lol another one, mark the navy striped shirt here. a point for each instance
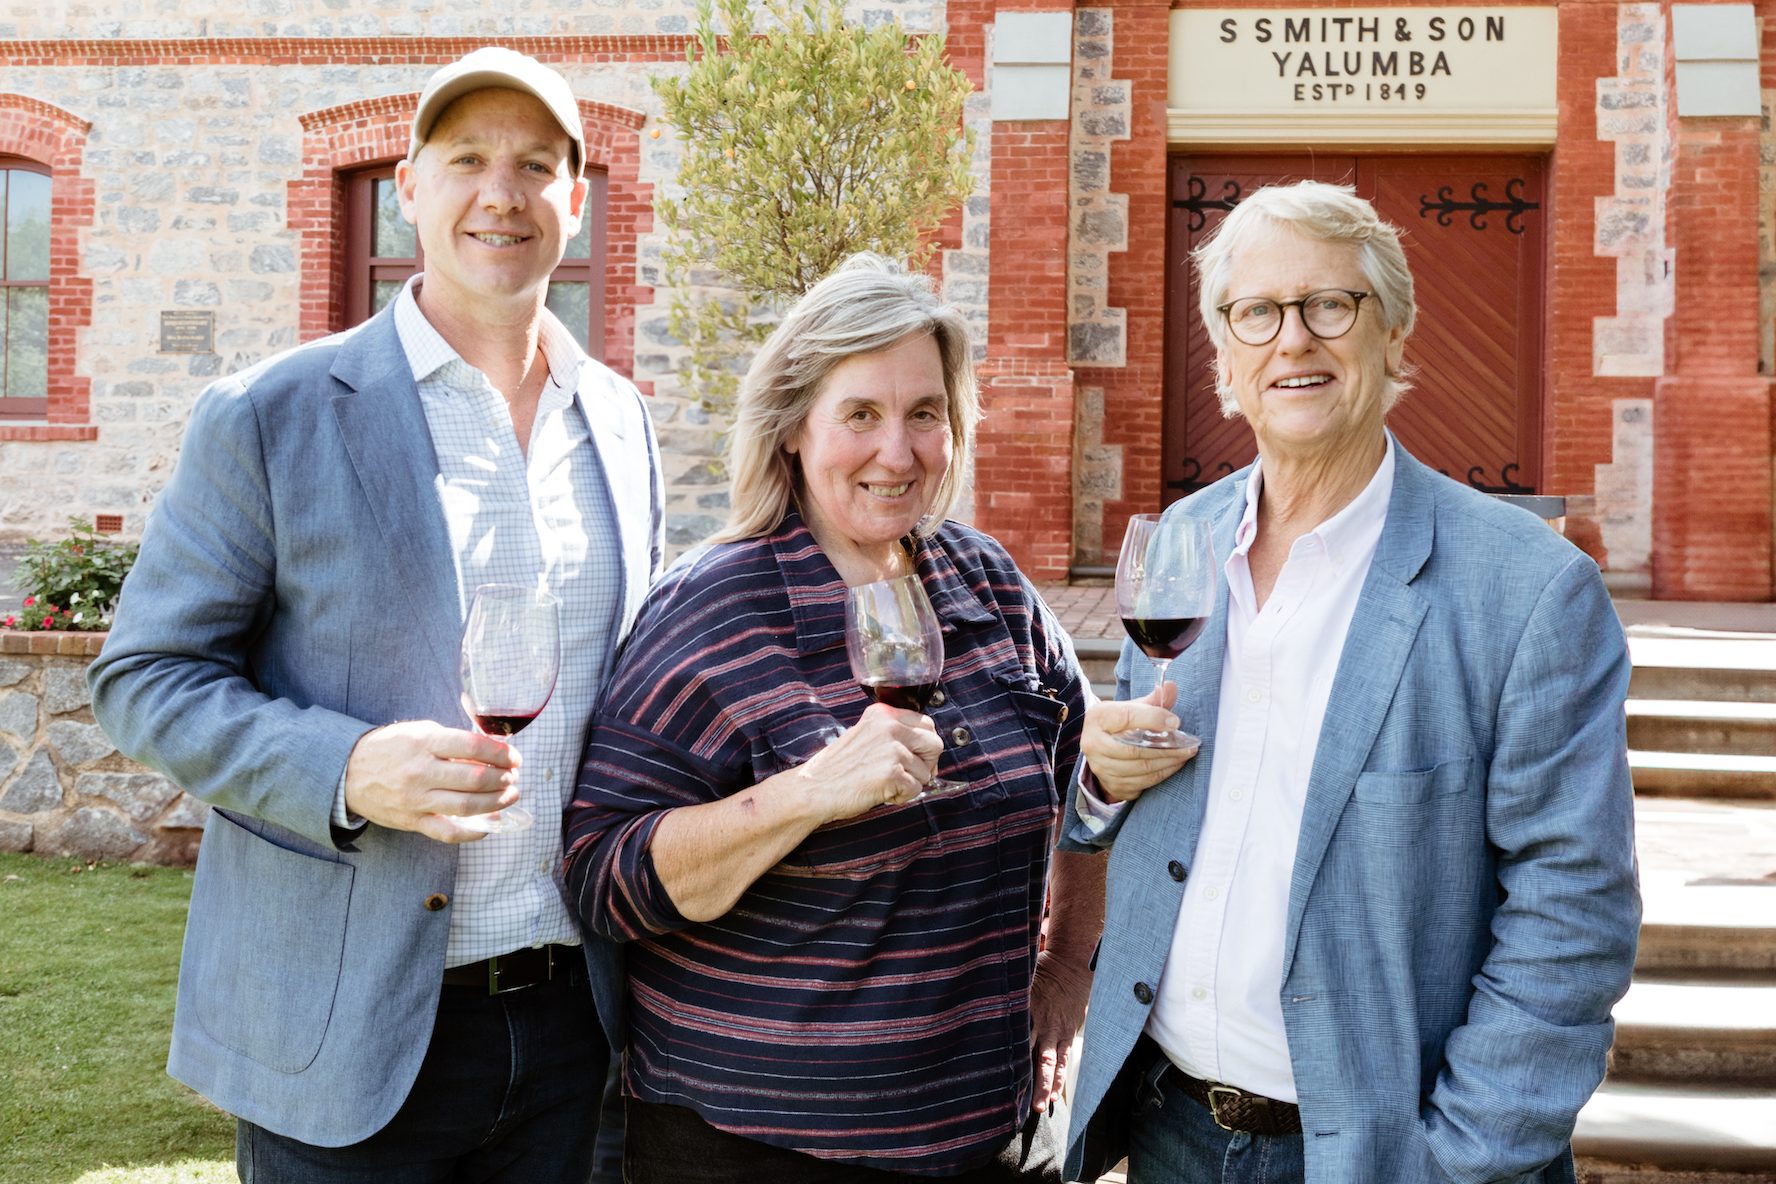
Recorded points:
(867, 1000)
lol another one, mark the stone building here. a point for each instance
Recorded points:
(1586, 189)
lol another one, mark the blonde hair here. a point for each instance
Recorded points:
(867, 305)
(1325, 213)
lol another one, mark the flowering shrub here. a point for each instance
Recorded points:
(71, 584)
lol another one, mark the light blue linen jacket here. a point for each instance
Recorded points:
(1463, 910)
(297, 587)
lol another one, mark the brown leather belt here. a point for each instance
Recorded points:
(1233, 1109)
(514, 971)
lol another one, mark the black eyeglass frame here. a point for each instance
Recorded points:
(1300, 307)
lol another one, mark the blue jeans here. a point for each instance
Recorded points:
(513, 1088)
(1179, 1143)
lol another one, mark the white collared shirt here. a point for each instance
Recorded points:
(1218, 1013)
(517, 517)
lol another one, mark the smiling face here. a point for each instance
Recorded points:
(1301, 394)
(873, 449)
(493, 196)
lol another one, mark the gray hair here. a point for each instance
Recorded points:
(1326, 213)
(867, 305)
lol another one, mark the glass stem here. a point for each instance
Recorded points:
(1159, 668)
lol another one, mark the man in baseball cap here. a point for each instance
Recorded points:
(380, 979)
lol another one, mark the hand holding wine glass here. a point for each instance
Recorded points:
(511, 652)
(895, 643)
(1165, 592)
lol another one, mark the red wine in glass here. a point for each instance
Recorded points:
(912, 697)
(504, 723)
(511, 652)
(1165, 591)
(895, 644)
(1163, 637)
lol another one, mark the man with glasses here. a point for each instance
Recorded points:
(1372, 933)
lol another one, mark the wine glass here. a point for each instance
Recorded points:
(896, 647)
(1165, 591)
(511, 650)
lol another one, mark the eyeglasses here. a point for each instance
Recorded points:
(1256, 320)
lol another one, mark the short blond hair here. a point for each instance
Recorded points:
(869, 304)
(1325, 213)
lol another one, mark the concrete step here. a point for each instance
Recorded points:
(1702, 726)
(1708, 887)
(1704, 775)
(1684, 1128)
(1696, 1031)
(1599, 1171)
(1731, 668)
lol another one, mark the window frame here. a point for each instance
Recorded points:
(24, 409)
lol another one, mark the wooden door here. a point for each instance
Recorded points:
(1473, 234)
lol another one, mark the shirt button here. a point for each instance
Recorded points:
(937, 699)
(548, 774)
(961, 736)
(1175, 870)
(1064, 713)
(1238, 795)
(436, 901)
(1143, 993)
(1254, 695)
(1199, 993)
(1213, 893)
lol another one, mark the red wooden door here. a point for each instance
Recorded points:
(1473, 234)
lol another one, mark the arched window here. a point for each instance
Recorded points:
(24, 289)
(382, 251)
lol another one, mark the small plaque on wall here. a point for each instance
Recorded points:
(187, 331)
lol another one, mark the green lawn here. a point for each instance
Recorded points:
(88, 961)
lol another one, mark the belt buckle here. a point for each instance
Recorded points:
(1214, 1108)
(494, 972)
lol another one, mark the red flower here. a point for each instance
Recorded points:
(29, 601)
(52, 608)
(49, 622)
(9, 621)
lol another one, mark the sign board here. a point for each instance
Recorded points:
(1365, 73)
(187, 331)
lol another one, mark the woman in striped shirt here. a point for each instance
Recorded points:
(831, 978)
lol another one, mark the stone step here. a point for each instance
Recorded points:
(1599, 1171)
(1702, 726)
(1696, 1030)
(1678, 1128)
(1736, 668)
(1704, 775)
(1708, 887)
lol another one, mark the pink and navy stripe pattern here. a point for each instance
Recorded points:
(867, 1000)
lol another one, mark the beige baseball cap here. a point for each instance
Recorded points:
(496, 66)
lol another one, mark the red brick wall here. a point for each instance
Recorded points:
(373, 130)
(50, 136)
(1711, 413)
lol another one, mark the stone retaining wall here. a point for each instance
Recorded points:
(64, 789)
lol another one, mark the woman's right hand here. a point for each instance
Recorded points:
(885, 758)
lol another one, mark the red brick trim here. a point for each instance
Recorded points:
(40, 434)
(38, 131)
(84, 645)
(289, 51)
(369, 131)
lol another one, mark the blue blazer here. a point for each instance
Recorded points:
(1463, 908)
(296, 587)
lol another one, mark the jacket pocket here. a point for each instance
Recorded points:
(265, 944)
(1418, 786)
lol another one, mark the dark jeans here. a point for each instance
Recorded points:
(672, 1145)
(511, 1089)
(1178, 1141)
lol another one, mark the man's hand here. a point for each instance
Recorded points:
(1122, 771)
(1058, 995)
(422, 776)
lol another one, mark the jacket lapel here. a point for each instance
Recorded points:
(384, 428)
(1376, 650)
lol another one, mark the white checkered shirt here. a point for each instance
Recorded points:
(513, 519)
